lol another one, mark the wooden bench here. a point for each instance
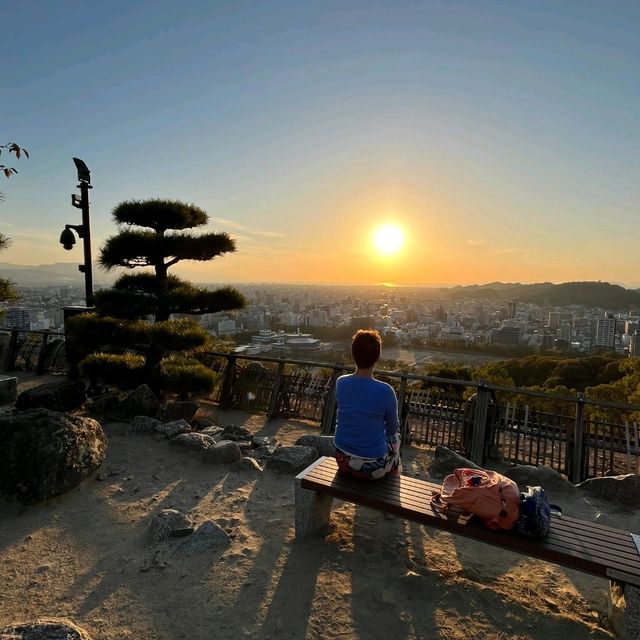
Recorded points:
(585, 546)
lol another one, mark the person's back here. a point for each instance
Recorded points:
(367, 440)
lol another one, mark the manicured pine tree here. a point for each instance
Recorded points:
(135, 313)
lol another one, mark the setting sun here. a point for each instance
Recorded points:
(388, 239)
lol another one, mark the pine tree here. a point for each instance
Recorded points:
(163, 238)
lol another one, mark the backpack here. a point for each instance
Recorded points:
(535, 513)
(489, 495)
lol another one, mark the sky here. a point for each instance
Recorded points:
(501, 137)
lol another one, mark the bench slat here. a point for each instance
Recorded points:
(592, 548)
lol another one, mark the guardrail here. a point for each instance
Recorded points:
(580, 437)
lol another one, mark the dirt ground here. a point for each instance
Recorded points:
(85, 557)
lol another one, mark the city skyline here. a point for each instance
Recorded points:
(500, 140)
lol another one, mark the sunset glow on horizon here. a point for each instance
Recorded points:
(499, 139)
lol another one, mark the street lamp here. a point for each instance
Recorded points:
(67, 239)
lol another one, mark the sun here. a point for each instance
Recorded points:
(388, 239)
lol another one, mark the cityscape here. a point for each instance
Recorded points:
(294, 320)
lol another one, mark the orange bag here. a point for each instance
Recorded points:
(489, 495)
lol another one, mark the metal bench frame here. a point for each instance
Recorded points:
(589, 547)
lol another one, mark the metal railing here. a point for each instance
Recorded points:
(577, 436)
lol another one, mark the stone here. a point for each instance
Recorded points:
(325, 445)
(55, 396)
(234, 433)
(196, 441)
(44, 453)
(247, 464)
(312, 512)
(140, 402)
(264, 452)
(211, 431)
(225, 452)
(209, 540)
(169, 523)
(144, 425)
(172, 429)
(200, 424)
(104, 404)
(620, 490)
(264, 441)
(549, 479)
(8, 390)
(291, 459)
(185, 409)
(52, 629)
(445, 461)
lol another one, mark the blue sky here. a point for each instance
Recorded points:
(502, 137)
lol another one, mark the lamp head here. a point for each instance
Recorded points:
(84, 175)
(67, 239)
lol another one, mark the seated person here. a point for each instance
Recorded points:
(367, 439)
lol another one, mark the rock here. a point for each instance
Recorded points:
(168, 523)
(196, 441)
(140, 402)
(55, 396)
(623, 609)
(264, 441)
(549, 479)
(325, 445)
(171, 429)
(55, 629)
(200, 424)
(445, 461)
(245, 447)
(211, 431)
(8, 390)
(224, 452)
(209, 540)
(236, 433)
(184, 409)
(621, 490)
(247, 464)
(264, 452)
(144, 425)
(44, 454)
(104, 404)
(291, 459)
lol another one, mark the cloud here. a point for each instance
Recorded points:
(262, 233)
(475, 243)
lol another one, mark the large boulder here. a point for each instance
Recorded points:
(291, 459)
(8, 389)
(526, 475)
(44, 454)
(325, 445)
(236, 434)
(56, 396)
(175, 428)
(621, 490)
(445, 461)
(225, 452)
(196, 441)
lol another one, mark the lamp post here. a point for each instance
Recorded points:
(67, 239)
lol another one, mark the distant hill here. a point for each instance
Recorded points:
(59, 273)
(587, 294)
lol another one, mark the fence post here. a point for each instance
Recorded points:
(12, 351)
(43, 353)
(479, 424)
(576, 468)
(403, 409)
(226, 394)
(329, 409)
(274, 404)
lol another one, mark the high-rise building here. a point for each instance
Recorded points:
(513, 307)
(634, 345)
(556, 318)
(606, 331)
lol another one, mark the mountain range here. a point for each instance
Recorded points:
(588, 294)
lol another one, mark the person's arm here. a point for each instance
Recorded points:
(391, 414)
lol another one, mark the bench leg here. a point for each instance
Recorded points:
(624, 610)
(312, 512)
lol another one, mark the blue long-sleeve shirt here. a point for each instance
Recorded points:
(367, 415)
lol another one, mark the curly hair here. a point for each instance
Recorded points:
(366, 347)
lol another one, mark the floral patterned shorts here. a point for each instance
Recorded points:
(373, 468)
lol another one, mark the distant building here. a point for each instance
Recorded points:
(512, 309)
(556, 318)
(226, 327)
(606, 331)
(17, 318)
(505, 335)
(634, 345)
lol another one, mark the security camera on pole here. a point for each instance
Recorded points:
(67, 239)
